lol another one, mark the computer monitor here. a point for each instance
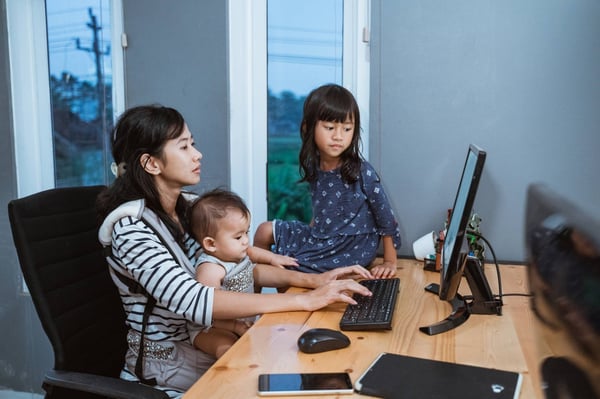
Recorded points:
(562, 243)
(457, 260)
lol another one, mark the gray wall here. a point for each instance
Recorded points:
(177, 56)
(24, 349)
(519, 78)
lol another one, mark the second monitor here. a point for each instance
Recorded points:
(456, 259)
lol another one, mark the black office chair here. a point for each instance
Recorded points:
(56, 237)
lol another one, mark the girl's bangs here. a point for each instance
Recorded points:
(337, 111)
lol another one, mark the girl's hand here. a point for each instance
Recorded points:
(332, 292)
(352, 272)
(283, 260)
(387, 269)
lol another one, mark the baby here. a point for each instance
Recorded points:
(219, 222)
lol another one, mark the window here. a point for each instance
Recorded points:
(80, 89)
(304, 51)
(65, 68)
(250, 78)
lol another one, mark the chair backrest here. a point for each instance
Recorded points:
(56, 237)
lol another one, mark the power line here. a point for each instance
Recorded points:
(95, 50)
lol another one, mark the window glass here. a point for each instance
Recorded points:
(304, 51)
(79, 52)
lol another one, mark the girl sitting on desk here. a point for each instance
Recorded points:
(351, 212)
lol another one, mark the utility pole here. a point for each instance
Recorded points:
(95, 49)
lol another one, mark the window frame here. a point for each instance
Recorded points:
(30, 89)
(248, 92)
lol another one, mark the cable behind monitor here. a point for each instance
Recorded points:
(481, 300)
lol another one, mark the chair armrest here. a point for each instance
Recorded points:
(98, 384)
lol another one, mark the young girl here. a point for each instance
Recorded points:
(351, 212)
(151, 255)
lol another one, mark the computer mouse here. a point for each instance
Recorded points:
(318, 340)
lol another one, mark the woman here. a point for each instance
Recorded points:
(144, 217)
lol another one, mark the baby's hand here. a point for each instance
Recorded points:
(241, 326)
(283, 260)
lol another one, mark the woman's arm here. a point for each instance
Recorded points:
(143, 257)
(228, 304)
(139, 254)
(267, 276)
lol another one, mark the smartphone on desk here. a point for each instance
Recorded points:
(304, 384)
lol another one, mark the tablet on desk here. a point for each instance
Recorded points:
(392, 375)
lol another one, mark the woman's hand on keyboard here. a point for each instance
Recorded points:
(332, 292)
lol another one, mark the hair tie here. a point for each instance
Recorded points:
(118, 170)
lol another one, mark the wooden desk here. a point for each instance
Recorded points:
(504, 342)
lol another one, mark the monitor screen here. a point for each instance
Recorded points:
(455, 247)
(456, 260)
(562, 245)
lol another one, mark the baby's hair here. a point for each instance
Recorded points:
(212, 206)
(329, 103)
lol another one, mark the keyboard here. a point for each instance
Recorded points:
(374, 312)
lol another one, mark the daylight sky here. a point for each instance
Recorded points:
(304, 41)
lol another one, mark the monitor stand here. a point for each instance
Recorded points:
(482, 300)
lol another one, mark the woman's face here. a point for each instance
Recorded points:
(180, 163)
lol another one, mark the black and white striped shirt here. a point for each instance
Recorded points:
(138, 253)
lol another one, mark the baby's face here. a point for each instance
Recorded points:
(231, 241)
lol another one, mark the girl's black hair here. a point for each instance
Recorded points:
(143, 130)
(330, 103)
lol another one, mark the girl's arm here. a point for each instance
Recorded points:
(379, 204)
(387, 269)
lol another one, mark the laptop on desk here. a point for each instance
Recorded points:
(397, 376)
